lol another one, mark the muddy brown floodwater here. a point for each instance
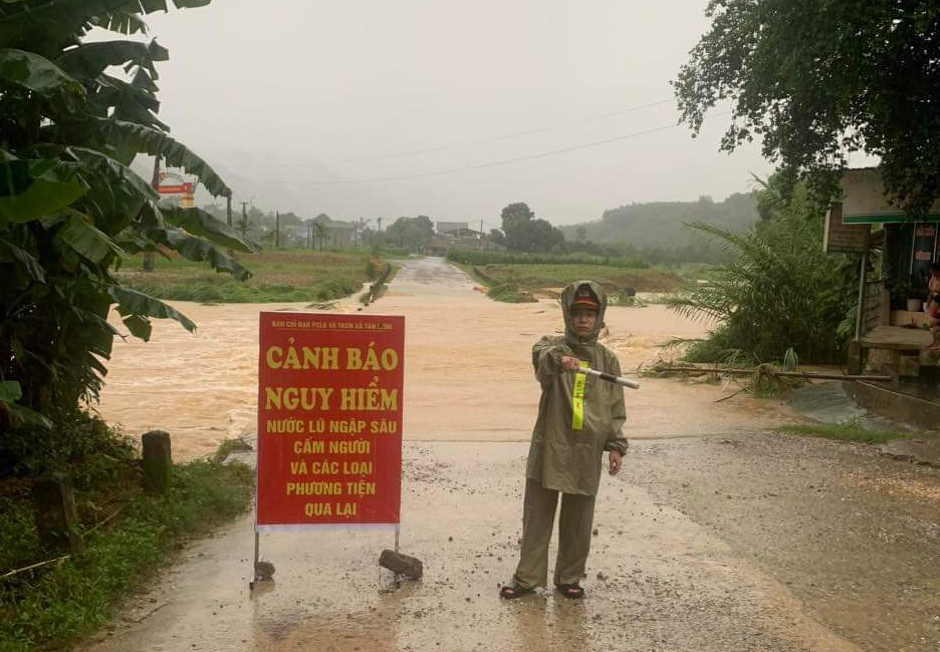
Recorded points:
(468, 370)
(717, 536)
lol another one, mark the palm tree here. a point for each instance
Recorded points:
(320, 232)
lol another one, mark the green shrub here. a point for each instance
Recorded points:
(50, 606)
(495, 257)
(509, 292)
(779, 291)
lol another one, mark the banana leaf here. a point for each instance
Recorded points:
(123, 134)
(89, 60)
(84, 238)
(198, 222)
(132, 302)
(199, 250)
(30, 189)
(9, 252)
(38, 74)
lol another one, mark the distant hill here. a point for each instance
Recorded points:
(660, 224)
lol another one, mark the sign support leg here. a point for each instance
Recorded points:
(397, 535)
(254, 565)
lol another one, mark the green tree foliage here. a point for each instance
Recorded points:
(71, 207)
(411, 233)
(778, 291)
(656, 229)
(817, 80)
(525, 233)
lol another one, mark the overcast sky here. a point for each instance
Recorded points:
(296, 101)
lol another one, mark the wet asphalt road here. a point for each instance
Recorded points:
(757, 542)
(852, 534)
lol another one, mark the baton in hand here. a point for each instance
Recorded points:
(610, 378)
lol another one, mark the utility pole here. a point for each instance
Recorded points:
(277, 229)
(481, 229)
(379, 220)
(155, 182)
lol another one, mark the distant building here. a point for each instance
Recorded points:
(460, 239)
(338, 234)
(449, 228)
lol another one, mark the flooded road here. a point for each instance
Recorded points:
(460, 346)
(717, 536)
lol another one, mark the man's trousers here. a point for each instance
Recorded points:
(574, 536)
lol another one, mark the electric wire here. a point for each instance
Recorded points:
(491, 139)
(480, 166)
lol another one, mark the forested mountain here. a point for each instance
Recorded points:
(659, 225)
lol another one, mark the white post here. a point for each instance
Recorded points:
(862, 274)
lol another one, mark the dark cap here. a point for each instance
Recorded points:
(584, 297)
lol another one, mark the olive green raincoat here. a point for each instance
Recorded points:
(571, 432)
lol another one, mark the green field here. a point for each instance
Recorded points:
(282, 275)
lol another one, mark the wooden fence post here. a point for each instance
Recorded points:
(158, 463)
(55, 513)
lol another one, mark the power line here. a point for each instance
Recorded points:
(481, 141)
(480, 166)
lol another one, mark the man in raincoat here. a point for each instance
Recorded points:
(579, 418)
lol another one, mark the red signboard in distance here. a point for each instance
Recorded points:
(329, 420)
(180, 189)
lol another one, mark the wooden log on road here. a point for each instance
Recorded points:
(410, 567)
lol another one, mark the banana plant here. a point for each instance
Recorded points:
(73, 116)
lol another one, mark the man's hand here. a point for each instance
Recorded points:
(616, 461)
(569, 363)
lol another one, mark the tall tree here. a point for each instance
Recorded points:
(524, 233)
(516, 214)
(413, 233)
(818, 80)
(71, 208)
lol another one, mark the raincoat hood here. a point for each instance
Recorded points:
(567, 307)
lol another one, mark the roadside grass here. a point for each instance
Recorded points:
(614, 279)
(505, 291)
(499, 257)
(52, 606)
(278, 275)
(849, 431)
(515, 283)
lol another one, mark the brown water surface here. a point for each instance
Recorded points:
(468, 372)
